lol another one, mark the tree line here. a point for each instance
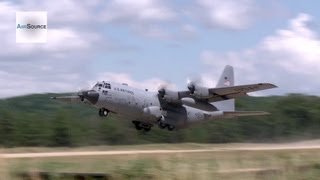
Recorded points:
(36, 120)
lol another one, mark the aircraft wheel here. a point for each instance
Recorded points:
(170, 127)
(100, 113)
(162, 125)
(103, 112)
(147, 129)
(137, 125)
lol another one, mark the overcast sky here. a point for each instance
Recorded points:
(146, 43)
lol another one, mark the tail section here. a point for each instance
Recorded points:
(228, 106)
(226, 79)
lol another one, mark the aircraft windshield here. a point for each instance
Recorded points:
(103, 85)
(108, 86)
(98, 85)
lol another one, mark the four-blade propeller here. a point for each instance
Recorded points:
(91, 96)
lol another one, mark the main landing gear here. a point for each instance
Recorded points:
(147, 127)
(163, 125)
(141, 126)
(104, 112)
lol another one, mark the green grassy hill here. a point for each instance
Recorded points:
(36, 120)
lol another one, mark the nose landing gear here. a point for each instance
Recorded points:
(103, 112)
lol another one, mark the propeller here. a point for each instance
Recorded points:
(192, 82)
(162, 88)
(90, 95)
(86, 96)
(191, 87)
(81, 95)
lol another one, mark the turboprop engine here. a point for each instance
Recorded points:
(198, 91)
(169, 96)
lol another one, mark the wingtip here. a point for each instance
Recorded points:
(269, 84)
(273, 85)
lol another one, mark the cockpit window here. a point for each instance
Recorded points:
(108, 86)
(98, 85)
(104, 85)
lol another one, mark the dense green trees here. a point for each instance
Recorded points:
(36, 120)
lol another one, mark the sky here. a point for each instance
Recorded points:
(152, 43)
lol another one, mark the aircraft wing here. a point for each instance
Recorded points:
(230, 92)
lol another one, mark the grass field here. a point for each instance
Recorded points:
(228, 162)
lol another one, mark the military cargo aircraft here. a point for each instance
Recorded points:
(166, 108)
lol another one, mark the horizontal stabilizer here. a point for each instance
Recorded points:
(244, 113)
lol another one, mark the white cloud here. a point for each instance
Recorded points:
(62, 63)
(145, 18)
(59, 39)
(141, 11)
(77, 37)
(188, 31)
(290, 58)
(298, 44)
(13, 84)
(58, 65)
(63, 11)
(67, 39)
(227, 14)
(152, 31)
(7, 15)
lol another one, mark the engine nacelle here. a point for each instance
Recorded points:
(171, 96)
(193, 102)
(154, 111)
(201, 92)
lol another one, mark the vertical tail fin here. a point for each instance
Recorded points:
(226, 79)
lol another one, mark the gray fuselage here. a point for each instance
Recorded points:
(134, 104)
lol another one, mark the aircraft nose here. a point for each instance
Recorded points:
(92, 96)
